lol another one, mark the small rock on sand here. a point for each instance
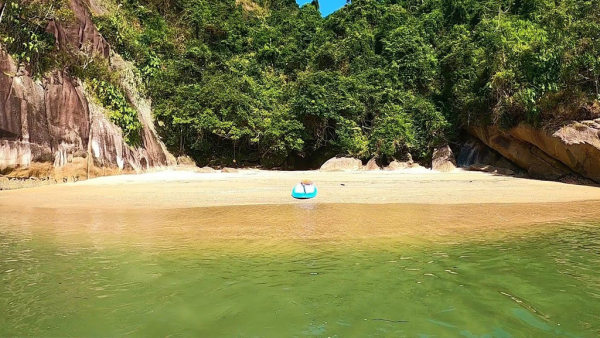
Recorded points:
(205, 170)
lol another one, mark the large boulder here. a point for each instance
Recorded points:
(443, 159)
(341, 164)
(535, 161)
(372, 165)
(401, 165)
(576, 145)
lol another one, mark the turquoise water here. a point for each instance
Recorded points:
(61, 280)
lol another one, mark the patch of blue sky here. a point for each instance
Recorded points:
(327, 6)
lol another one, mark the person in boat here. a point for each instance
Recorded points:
(305, 190)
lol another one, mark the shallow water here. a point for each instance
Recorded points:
(297, 271)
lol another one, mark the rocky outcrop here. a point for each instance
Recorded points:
(53, 121)
(533, 160)
(23, 117)
(443, 159)
(79, 33)
(342, 163)
(52, 125)
(553, 153)
(576, 145)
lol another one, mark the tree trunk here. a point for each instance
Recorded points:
(2, 12)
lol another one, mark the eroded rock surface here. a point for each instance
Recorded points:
(554, 154)
(533, 160)
(576, 145)
(53, 121)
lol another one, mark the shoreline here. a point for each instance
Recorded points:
(256, 206)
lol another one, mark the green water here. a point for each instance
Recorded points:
(58, 284)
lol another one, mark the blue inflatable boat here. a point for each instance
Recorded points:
(304, 191)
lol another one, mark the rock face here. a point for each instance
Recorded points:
(342, 163)
(553, 154)
(443, 159)
(79, 33)
(156, 151)
(53, 121)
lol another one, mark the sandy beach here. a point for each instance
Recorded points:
(167, 206)
(188, 189)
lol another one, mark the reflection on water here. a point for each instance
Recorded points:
(298, 271)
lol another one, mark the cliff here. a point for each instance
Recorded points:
(53, 128)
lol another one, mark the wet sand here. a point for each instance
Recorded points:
(256, 205)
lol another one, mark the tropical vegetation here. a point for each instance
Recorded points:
(268, 82)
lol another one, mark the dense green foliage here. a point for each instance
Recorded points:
(120, 111)
(266, 82)
(22, 31)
